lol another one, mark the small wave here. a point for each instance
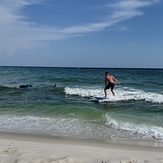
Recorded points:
(83, 92)
(6, 88)
(142, 129)
(58, 126)
(122, 94)
(75, 127)
(35, 124)
(3, 88)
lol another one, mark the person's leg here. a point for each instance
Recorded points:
(112, 87)
(105, 93)
(113, 92)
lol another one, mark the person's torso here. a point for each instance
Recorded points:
(109, 78)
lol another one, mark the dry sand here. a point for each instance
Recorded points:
(16, 148)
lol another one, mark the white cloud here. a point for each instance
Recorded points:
(17, 33)
(123, 10)
(127, 9)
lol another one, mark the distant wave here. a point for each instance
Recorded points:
(122, 94)
(5, 88)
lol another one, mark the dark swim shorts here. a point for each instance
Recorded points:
(110, 85)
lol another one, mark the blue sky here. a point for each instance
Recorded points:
(81, 33)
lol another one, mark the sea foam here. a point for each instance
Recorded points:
(132, 128)
(122, 94)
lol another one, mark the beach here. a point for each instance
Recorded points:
(19, 148)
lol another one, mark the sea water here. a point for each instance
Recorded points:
(134, 113)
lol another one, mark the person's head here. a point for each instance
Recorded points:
(106, 73)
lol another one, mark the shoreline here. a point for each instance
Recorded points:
(151, 143)
(23, 148)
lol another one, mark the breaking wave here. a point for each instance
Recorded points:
(122, 94)
(145, 130)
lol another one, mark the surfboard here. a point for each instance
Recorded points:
(98, 99)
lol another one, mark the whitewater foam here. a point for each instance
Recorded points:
(106, 126)
(142, 129)
(122, 94)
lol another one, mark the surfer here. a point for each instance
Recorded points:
(109, 83)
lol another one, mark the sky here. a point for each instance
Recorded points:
(81, 33)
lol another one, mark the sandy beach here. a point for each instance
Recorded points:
(17, 148)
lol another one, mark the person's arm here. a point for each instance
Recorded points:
(116, 80)
(105, 81)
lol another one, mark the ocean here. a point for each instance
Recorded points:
(134, 113)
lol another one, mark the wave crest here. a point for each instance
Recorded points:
(141, 129)
(122, 94)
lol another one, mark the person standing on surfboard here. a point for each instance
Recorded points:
(109, 83)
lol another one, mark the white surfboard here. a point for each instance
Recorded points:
(98, 99)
